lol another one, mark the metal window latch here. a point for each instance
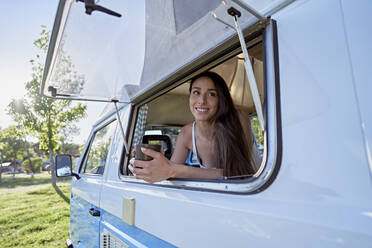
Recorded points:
(91, 6)
(115, 101)
(247, 62)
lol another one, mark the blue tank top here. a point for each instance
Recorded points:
(192, 158)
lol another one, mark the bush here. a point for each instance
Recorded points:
(35, 167)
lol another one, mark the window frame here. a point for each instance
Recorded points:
(272, 113)
(92, 137)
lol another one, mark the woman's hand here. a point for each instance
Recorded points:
(158, 169)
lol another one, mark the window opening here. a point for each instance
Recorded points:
(168, 113)
(97, 156)
(255, 125)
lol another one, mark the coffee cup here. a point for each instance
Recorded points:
(141, 156)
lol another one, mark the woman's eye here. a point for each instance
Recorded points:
(195, 92)
(212, 94)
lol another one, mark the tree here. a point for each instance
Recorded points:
(257, 130)
(66, 135)
(32, 166)
(13, 145)
(44, 117)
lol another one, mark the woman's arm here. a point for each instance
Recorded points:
(181, 149)
(160, 168)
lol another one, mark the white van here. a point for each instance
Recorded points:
(304, 79)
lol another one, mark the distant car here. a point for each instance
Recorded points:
(15, 172)
(45, 166)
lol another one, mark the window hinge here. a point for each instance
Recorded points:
(247, 62)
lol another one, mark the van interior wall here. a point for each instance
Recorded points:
(169, 110)
(172, 108)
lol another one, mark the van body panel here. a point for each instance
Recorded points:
(321, 196)
(322, 141)
(112, 201)
(131, 235)
(359, 39)
(85, 195)
(186, 218)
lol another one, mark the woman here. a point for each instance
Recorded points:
(214, 138)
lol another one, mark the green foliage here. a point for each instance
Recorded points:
(98, 152)
(81, 148)
(40, 116)
(33, 166)
(257, 130)
(12, 144)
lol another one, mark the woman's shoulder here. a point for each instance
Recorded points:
(186, 130)
(185, 135)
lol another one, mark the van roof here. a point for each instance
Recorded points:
(100, 57)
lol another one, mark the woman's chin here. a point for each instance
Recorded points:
(202, 117)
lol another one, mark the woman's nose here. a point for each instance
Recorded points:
(203, 98)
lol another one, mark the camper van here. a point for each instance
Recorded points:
(299, 70)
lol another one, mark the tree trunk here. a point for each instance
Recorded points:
(28, 154)
(52, 167)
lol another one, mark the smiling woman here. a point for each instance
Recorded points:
(227, 145)
(212, 144)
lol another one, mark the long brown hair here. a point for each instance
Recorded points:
(231, 149)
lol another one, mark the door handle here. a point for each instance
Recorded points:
(94, 212)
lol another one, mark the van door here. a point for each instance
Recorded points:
(85, 192)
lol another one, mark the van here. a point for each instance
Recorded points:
(299, 69)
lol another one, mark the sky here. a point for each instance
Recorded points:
(20, 26)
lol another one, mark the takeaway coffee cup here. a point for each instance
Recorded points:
(141, 156)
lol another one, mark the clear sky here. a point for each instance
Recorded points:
(20, 26)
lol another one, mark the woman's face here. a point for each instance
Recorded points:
(203, 99)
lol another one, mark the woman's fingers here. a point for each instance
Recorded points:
(138, 167)
(131, 168)
(138, 163)
(151, 152)
(152, 171)
(140, 173)
(147, 179)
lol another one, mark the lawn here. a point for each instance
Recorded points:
(21, 180)
(35, 218)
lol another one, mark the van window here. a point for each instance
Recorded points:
(97, 156)
(161, 119)
(166, 111)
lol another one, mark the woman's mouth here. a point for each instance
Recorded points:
(201, 110)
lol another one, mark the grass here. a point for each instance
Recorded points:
(21, 180)
(35, 218)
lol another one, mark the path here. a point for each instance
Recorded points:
(27, 188)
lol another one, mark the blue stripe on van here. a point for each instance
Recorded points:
(132, 235)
